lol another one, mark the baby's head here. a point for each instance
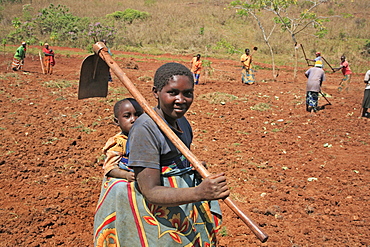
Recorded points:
(166, 72)
(126, 112)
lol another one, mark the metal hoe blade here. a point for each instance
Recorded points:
(94, 78)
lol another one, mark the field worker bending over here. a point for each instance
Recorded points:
(247, 72)
(196, 67)
(167, 205)
(49, 60)
(19, 56)
(316, 76)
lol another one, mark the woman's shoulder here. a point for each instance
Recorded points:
(144, 119)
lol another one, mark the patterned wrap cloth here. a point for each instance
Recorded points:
(124, 218)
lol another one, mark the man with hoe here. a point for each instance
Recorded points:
(317, 58)
(346, 71)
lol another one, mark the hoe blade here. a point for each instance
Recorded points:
(94, 78)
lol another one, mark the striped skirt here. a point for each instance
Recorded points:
(17, 64)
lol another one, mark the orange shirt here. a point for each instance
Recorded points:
(196, 66)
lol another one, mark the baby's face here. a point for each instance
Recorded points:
(127, 116)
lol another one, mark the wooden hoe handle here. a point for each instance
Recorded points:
(102, 51)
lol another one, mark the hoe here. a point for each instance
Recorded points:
(94, 83)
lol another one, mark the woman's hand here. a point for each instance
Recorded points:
(213, 187)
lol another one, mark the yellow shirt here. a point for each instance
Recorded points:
(114, 149)
(246, 60)
(196, 66)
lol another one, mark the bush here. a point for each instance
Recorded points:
(129, 15)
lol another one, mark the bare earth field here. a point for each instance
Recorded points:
(303, 178)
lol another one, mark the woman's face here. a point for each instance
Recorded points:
(175, 98)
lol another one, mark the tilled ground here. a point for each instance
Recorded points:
(303, 178)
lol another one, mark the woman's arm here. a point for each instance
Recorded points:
(212, 188)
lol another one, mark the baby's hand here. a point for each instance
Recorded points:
(130, 176)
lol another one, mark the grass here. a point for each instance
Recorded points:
(50, 141)
(58, 84)
(276, 130)
(261, 107)
(217, 97)
(223, 231)
(84, 129)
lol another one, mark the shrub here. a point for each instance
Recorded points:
(129, 15)
(98, 31)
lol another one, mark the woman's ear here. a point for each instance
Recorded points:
(115, 120)
(155, 92)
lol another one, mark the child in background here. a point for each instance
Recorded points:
(126, 112)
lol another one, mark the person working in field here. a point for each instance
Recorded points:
(366, 100)
(247, 71)
(19, 56)
(116, 174)
(196, 67)
(317, 58)
(180, 207)
(167, 205)
(315, 77)
(49, 60)
(346, 71)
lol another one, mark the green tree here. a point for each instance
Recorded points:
(58, 23)
(294, 17)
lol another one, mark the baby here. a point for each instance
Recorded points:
(126, 112)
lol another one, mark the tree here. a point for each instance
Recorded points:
(246, 9)
(293, 16)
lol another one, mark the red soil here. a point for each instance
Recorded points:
(303, 178)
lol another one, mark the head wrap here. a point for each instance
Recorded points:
(318, 64)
